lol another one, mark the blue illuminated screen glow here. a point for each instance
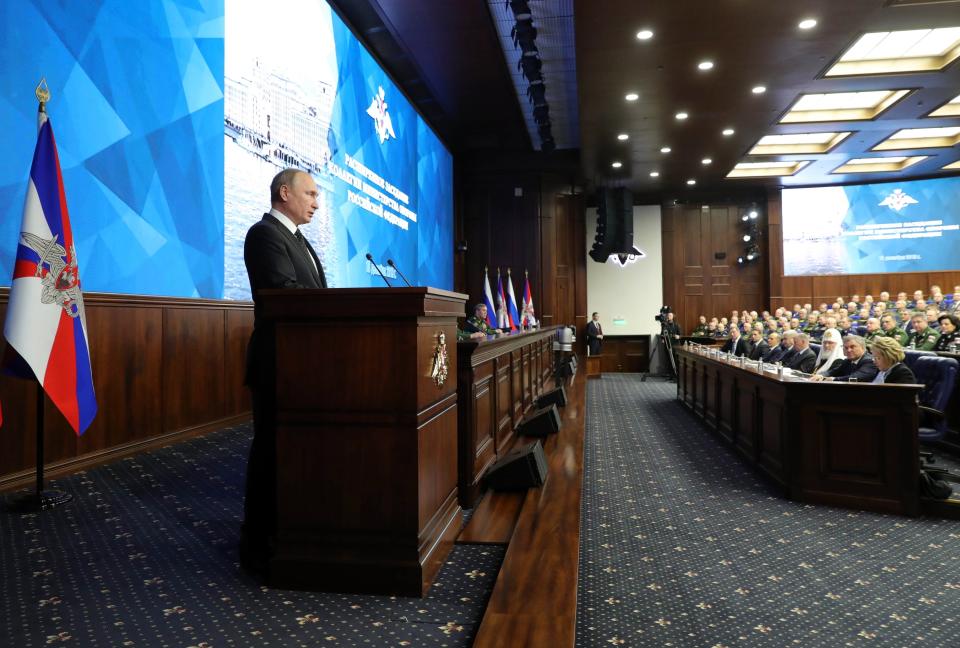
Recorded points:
(909, 226)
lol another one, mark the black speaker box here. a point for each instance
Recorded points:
(540, 423)
(519, 469)
(556, 397)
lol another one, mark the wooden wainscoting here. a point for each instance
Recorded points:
(625, 354)
(163, 369)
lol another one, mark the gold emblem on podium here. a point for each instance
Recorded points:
(440, 369)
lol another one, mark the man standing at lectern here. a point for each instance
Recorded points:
(277, 255)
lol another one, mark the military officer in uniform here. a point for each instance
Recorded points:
(923, 337)
(889, 328)
(701, 330)
(477, 323)
(873, 330)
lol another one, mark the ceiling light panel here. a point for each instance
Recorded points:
(950, 109)
(767, 169)
(878, 164)
(914, 138)
(953, 166)
(798, 143)
(842, 106)
(895, 52)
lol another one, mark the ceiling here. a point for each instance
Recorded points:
(447, 56)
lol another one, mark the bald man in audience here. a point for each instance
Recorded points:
(873, 330)
(889, 328)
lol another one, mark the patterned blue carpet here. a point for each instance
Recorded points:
(683, 545)
(145, 555)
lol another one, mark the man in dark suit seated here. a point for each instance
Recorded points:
(787, 346)
(758, 347)
(804, 359)
(736, 344)
(857, 366)
(776, 349)
(277, 255)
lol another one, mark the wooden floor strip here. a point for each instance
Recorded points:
(534, 601)
(493, 520)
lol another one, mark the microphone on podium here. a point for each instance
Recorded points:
(370, 259)
(394, 266)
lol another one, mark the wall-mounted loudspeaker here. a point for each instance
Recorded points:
(556, 397)
(540, 423)
(519, 469)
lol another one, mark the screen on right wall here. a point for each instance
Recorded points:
(910, 226)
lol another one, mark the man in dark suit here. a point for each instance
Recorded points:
(758, 347)
(776, 349)
(736, 345)
(594, 335)
(277, 255)
(857, 365)
(804, 359)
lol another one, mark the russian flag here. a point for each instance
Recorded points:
(512, 309)
(488, 300)
(46, 324)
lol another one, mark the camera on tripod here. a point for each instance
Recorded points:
(662, 316)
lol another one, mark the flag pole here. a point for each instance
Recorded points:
(40, 499)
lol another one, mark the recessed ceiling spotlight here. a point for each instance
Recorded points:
(753, 214)
(654, 174)
(665, 149)
(633, 96)
(744, 218)
(746, 238)
(623, 137)
(681, 116)
(706, 161)
(727, 132)
(759, 89)
(691, 181)
(808, 23)
(705, 65)
(617, 165)
(645, 34)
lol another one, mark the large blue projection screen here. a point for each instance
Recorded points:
(911, 226)
(310, 96)
(137, 111)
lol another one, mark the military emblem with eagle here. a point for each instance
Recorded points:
(58, 273)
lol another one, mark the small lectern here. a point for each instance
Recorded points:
(366, 428)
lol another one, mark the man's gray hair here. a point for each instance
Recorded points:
(804, 336)
(790, 334)
(856, 339)
(285, 177)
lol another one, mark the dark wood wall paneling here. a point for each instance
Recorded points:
(524, 211)
(695, 282)
(787, 291)
(162, 367)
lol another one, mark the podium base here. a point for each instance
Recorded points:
(31, 502)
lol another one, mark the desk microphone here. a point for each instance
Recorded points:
(370, 259)
(394, 266)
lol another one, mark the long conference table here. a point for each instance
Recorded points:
(852, 445)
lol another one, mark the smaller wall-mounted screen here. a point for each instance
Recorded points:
(911, 226)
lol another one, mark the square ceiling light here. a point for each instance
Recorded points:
(841, 106)
(953, 166)
(915, 138)
(767, 169)
(949, 109)
(878, 164)
(798, 143)
(897, 52)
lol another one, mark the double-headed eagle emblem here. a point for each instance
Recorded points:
(57, 271)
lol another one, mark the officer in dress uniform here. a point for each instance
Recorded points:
(923, 337)
(889, 328)
(477, 323)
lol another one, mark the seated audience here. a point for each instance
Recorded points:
(736, 345)
(923, 337)
(702, 327)
(949, 325)
(856, 366)
(888, 357)
(774, 350)
(830, 351)
(758, 347)
(803, 358)
(787, 348)
(889, 328)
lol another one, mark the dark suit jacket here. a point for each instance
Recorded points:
(759, 350)
(900, 374)
(593, 342)
(274, 259)
(803, 361)
(738, 348)
(775, 354)
(788, 355)
(863, 371)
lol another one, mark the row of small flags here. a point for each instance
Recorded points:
(502, 311)
(46, 327)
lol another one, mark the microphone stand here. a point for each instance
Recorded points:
(394, 266)
(379, 272)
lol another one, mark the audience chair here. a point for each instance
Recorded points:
(938, 377)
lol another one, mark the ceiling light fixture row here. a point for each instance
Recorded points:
(524, 35)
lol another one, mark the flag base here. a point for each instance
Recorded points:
(31, 502)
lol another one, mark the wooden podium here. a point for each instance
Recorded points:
(366, 437)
